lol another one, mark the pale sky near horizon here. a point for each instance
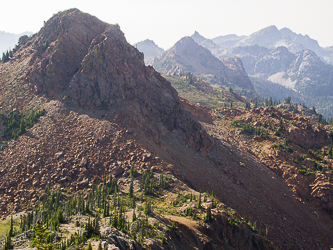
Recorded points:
(166, 22)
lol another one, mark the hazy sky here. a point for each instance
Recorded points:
(166, 22)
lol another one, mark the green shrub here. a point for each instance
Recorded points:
(304, 172)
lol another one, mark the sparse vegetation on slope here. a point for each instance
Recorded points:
(296, 147)
(15, 123)
(150, 217)
(198, 91)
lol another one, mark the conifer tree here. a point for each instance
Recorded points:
(104, 178)
(208, 214)
(100, 246)
(199, 200)
(130, 193)
(10, 233)
(8, 244)
(147, 209)
(89, 247)
(134, 215)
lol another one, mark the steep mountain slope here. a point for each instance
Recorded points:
(279, 92)
(149, 49)
(105, 110)
(207, 43)
(299, 150)
(188, 56)
(9, 40)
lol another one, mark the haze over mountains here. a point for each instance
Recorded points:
(149, 49)
(9, 40)
(296, 62)
(188, 56)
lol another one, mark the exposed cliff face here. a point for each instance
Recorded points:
(59, 48)
(188, 56)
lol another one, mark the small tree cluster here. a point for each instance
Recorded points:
(16, 124)
(6, 56)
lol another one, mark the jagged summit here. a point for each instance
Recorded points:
(197, 37)
(188, 56)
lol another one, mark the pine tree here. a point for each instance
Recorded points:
(199, 200)
(134, 215)
(10, 233)
(208, 214)
(104, 179)
(8, 243)
(132, 172)
(100, 246)
(89, 247)
(130, 193)
(42, 236)
(96, 225)
(147, 209)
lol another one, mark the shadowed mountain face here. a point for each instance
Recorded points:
(188, 56)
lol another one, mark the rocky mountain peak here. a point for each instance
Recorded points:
(265, 37)
(59, 48)
(88, 64)
(197, 37)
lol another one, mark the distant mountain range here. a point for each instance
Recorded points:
(297, 63)
(149, 49)
(9, 40)
(269, 37)
(188, 56)
(285, 58)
